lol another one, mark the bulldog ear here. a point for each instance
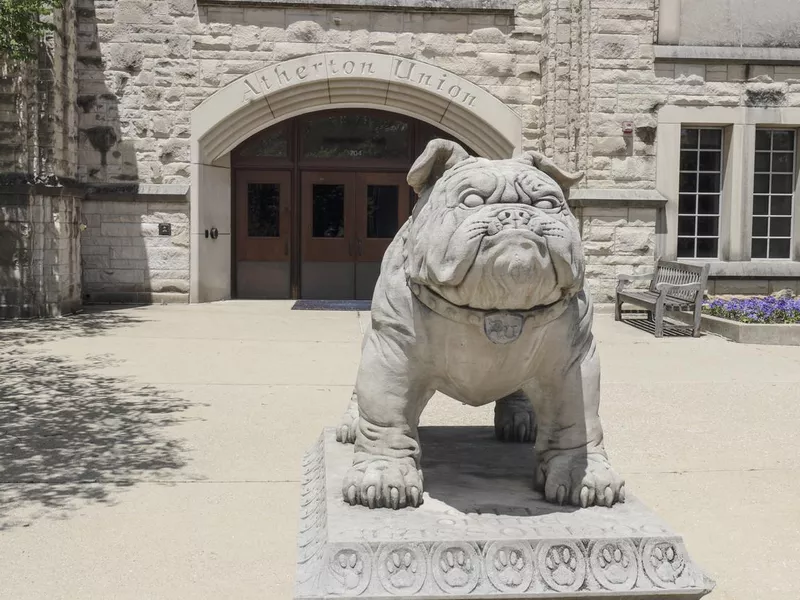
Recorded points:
(438, 156)
(563, 178)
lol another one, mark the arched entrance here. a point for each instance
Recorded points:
(317, 200)
(341, 80)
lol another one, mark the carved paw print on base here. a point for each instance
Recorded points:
(402, 569)
(509, 566)
(564, 566)
(664, 563)
(349, 571)
(456, 567)
(614, 564)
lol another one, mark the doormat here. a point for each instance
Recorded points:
(342, 305)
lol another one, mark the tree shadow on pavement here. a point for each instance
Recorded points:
(70, 434)
(92, 322)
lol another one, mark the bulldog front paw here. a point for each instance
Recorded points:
(346, 431)
(514, 421)
(579, 478)
(382, 482)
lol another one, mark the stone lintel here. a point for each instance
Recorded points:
(460, 6)
(138, 192)
(481, 532)
(756, 55)
(638, 198)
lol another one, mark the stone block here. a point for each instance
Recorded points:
(634, 240)
(482, 532)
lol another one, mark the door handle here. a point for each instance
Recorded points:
(359, 246)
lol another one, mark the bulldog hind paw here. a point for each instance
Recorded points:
(383, 483)
(514, 422)
(579, 479)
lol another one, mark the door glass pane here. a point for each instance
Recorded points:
(327, 206)
(382, 203)
(271, 143)
(355, 136)
(263, 209)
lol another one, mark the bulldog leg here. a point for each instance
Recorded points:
(572, 465)
(386, 458)
(346, 432)
(514, 420)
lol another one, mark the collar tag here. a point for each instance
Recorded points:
(503, 327)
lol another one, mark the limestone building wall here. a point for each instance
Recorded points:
(592, 82)
(39, 251)
(125, 258)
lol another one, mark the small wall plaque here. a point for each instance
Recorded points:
(164, 229)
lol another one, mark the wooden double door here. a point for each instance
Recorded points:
(315, 234)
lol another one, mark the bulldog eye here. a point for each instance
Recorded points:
(472, 200)
(546, 203)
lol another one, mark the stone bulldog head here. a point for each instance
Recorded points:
(492, 234)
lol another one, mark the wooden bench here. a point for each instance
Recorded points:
(673, 286)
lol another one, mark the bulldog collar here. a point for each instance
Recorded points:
(500, 326)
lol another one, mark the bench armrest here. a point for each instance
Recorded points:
(664, 288)
(624, 280)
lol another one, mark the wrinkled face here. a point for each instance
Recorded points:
(495, 235)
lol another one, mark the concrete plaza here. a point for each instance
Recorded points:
(154, 452)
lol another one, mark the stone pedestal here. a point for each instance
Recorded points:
(482, 532)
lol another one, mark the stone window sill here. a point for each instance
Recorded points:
(493, 6)
(751, 269)
(773, 56)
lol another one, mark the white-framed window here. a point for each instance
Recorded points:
(700, 192)
(773, 193)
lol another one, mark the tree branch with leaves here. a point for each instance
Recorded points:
(21, 26)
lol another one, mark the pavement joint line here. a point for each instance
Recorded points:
(132, 482)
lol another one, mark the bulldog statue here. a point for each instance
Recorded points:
(481, 297)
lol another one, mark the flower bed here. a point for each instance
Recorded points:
(764, 310)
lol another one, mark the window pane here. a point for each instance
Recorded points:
(780, 227)
(707, 226)
(686, 204)
(760, 205)
(782, 140)
(763, 139)
(328, 210)
(708, 204)
(710, 161)
(355, 136)
(382, 203)
(688, 182)
(708, 182)
(711, 138)
(707, 247)
(781, 205)
(783, 162)
(782, 184)
(761, 184)
(688, 160)
(271, 143)
(686, 247)
(686, 225)
(762, 162)
(263, 209)
(779, 249)
(689, 138)
(759, 226)
(759, 249)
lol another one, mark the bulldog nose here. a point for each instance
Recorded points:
(514, 217)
